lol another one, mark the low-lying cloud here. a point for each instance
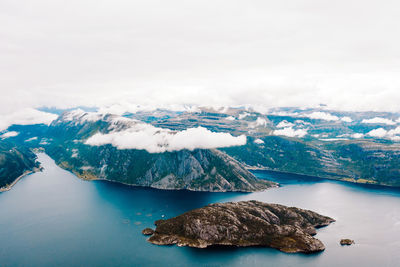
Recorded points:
(284, 124)
(346, 119)
(322, 116)
(289, 131)
(158, 140)
(9, 134)
(31, 139)
(357, 135)
(393, 134)
(378, 120)
(259, 141)
(26, 116)
(260, 122)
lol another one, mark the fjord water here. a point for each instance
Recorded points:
(52, 218)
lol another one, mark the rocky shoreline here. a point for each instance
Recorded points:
(242, 224)
(9, 187)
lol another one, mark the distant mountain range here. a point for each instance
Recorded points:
(211, 149)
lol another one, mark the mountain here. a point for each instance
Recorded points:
(360, 161)
(361, 147)
(15, 161)
(198, 169)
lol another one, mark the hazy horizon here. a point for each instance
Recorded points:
(344, 54)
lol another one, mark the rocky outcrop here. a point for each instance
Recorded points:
(346, 242)
(148, 231)
(242, 224)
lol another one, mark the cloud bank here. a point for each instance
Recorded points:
(322, 116)
(26, 116)
(158, 140)
(378, 120)
(393, 134)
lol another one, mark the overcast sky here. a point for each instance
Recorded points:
(344, 53)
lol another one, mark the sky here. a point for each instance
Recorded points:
(345, 54)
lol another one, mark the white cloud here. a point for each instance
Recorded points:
(354, 135)
(322, 116)
(26, 116)
(357, 135)
(230, 118)
(346, 119)
(378, 120)
(284, 113)
(44, 142)
(380, 132)
(31, 139)
(9, 134)
(289, 131)
(259, 141)
(157, 140)
(261, 122)
(333, 139)
(257, 123)
(243, 115)
(75, 153)
(284, 124)
(394, 131)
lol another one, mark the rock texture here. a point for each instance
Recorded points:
(148, 231)
(346, 242)
(241, 224)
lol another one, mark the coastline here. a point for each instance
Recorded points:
(91, 177)
(9, 187)
(361, 181)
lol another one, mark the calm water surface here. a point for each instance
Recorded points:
(53, 218)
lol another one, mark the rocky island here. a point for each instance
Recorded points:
(242, 224)
(346, 242)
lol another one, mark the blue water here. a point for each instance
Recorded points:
(53, 218)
